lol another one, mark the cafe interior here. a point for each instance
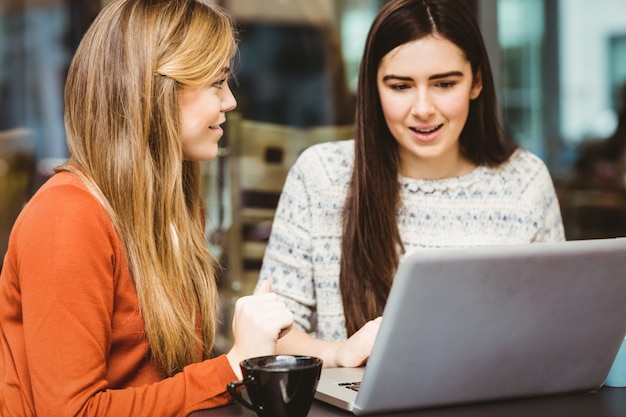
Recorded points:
(559, 65)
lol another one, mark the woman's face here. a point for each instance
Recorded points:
(203, 109)
(425, 88)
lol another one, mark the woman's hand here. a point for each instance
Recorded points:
(350, 353)
(258, 322)
(355, 351)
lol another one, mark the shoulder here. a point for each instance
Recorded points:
(523, 165)
(64, 193)
(330, 153)
(332, 161)
(523, 158)
(524, 173)
(64, 207)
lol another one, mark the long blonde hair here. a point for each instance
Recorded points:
(123, 131)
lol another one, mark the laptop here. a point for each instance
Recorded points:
(469, 325)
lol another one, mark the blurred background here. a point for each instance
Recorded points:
(559, 65)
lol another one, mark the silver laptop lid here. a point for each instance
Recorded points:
(476, 324)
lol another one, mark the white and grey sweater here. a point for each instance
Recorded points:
(513, 203)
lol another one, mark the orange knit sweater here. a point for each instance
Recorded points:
(72, 340)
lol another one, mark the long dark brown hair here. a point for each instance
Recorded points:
(371, 242)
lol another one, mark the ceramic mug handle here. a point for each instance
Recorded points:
(234, 389)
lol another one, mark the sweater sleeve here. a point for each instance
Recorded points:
(287, 263)
(547, 203)
(66, 265)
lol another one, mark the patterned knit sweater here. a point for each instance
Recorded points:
(513, 203)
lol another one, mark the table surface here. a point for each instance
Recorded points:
(607, 402)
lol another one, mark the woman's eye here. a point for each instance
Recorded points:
(219, 83)
(447, 84)
(399, 86)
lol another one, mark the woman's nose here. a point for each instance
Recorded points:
(422, 105)
(228, 100)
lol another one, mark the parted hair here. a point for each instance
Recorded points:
(123, 128)
(371, 243)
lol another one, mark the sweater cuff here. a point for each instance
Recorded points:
(206, 384)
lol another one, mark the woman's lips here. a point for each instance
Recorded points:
(426, 130)
(426, 133)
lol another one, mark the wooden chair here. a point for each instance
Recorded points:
(258, 157)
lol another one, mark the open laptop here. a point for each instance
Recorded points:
(466, 325)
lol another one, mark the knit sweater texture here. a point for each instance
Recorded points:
(513, 203)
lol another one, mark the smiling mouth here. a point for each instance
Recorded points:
(426, 131)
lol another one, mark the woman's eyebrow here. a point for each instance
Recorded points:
(446, 75)
(432, 77)
(396, 77)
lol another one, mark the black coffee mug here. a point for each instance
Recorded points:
(278, 385)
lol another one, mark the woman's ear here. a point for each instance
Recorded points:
(477, 87)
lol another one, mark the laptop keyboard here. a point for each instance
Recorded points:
(351, 385)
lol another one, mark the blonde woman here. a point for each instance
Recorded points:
(107, 294)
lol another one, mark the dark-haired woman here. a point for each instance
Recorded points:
(429, 167)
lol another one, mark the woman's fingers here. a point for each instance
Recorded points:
(355, 351)
(259, 321)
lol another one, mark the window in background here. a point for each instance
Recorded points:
(37, 42)
(355, 18)
(561, 63)
(617, 68)
(35, 56)
(291, 67)
(589, 60)
(521, 34)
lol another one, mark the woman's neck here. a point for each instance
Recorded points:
(436, 168)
